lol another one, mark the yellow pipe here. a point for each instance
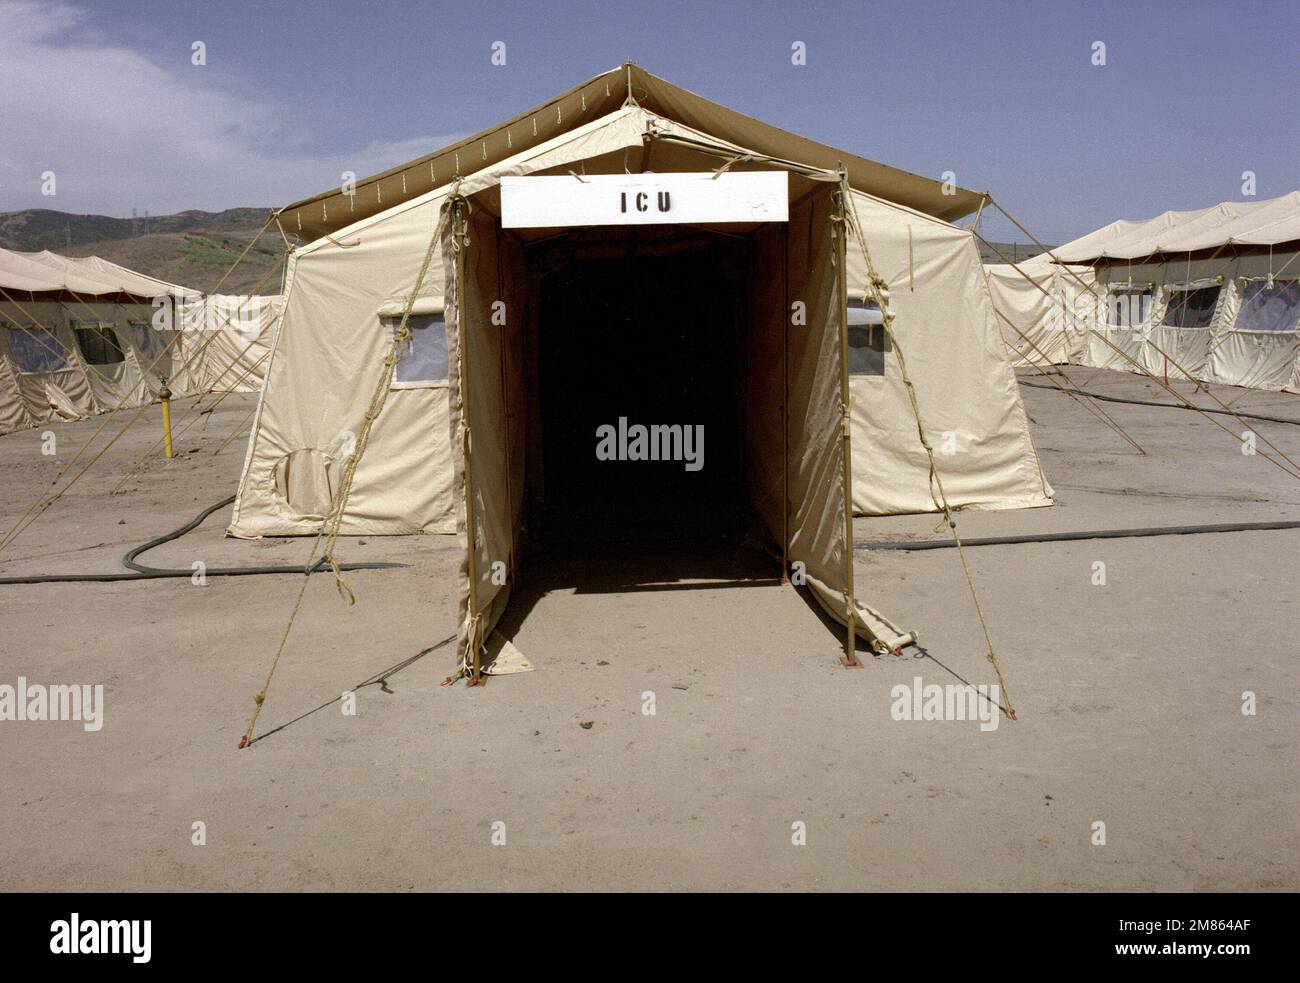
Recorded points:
(165, 395)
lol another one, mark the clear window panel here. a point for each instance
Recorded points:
(37, 350)
(1192, 308)
(98, 345)
(1128, 308)
(424, 362)
(868, 342)
(147, 341)
(1265, 308)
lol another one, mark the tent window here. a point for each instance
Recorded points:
(1191, 307)
(1128, 307)
(98, 345)
(868, 342)
(424, 362)
(37, 350)
(1270, 309)
(147, 341)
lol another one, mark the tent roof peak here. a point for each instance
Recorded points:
(597, 97)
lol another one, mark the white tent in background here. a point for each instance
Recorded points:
(76, 338)
(81, 335)
(1044, 310)
(1211, 295)
(779, 324)
(233, 333)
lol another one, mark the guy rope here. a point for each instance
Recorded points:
(879, 291)
(329, 530)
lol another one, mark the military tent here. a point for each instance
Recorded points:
(233, 332)
(76, 338)
(81, 335)
(1044, 309)
(543, 323)
(1211, 295)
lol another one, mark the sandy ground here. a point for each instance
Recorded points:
(1129, 697)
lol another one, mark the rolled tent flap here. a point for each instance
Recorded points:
(1044, 312)
(484, 477)
(817, 422)
(59, 401)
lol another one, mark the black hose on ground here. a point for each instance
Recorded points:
(1172, 406)
(141, 572)
(1061, 537)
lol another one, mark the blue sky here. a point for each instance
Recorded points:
(103, 92)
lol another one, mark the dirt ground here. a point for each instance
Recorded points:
(1129, 695)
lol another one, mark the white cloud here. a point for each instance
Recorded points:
(122, 132)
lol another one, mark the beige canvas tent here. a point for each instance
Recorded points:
(1211, 295)
(76, 338)
(232, 333)
(80, 336)
(528, 340)
(1044, 309)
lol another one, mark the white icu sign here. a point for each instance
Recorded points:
(644, 199)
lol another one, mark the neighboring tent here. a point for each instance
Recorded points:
(234, 333)
(80, 336)
(75, 337)
(1211, 295)
(1044, 310)
(777, 391)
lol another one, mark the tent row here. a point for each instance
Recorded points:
(81, 336)
(1211, 295)
(526, 341)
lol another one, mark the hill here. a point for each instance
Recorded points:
(1014, 251)
(192, 248)
(196, 248)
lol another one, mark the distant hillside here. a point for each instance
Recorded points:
(1013, 251)
(195, 248)
(191, 248)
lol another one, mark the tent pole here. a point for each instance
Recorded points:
(505, 406)
(460, 240)
(841, 279)
(984, 200)
(785, 408)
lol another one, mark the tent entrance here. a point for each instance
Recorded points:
(637, 391)
(636, 398)
(583, 357)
